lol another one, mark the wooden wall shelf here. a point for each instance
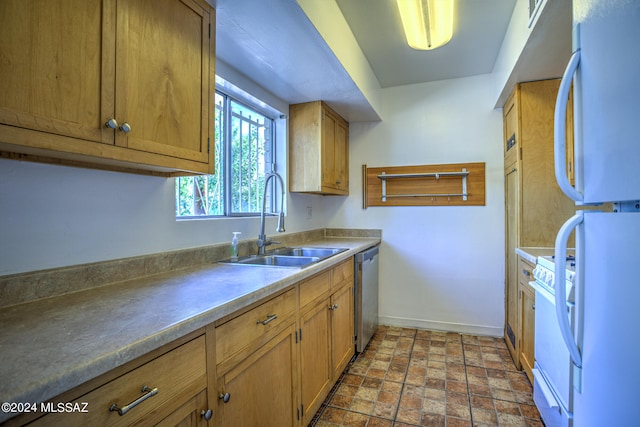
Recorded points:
(454, 184)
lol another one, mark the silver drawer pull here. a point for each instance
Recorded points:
(526, 272)
(270, 317)
(126, 408)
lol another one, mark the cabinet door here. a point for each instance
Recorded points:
(162, 77)
(261, 389)
(342, 345)
(527, 308)
(55, 75)
(315, 358)
(328, 150)
(510, 124)
(512, 202)
(341, 156)
(191, 414)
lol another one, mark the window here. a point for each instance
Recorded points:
(244, 153)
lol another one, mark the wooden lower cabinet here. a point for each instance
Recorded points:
(512, 232)
(342, 345)
(315, 357)
(261, 390)
(191, 414)
(527, 300)
(326, 334)
(280, 377)
(179, 376)
(271, 364)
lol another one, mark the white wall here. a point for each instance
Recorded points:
(441, 267)
(53, 216)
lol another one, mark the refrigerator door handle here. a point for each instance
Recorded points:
(560, 132)
(560, 286)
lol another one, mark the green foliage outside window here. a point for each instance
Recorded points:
(243, 153)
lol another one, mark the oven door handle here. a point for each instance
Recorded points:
(541, 382)
(560, 286)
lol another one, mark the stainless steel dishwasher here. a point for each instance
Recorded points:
(366, 296)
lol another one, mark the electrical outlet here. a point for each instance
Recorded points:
(309, 212)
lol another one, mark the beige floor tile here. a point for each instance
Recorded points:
(412, 378)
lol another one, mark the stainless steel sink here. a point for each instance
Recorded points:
(276, 260)
(309, 252)
(288, 257)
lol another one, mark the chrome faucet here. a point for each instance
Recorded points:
(263, 241)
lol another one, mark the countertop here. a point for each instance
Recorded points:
(52, 345)
(532, 254)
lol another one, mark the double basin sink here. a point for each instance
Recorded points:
(288, 257)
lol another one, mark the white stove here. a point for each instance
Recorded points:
(544, 274)
(552, 368)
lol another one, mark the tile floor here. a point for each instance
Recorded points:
(409, 377)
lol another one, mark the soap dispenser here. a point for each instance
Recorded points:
(234, 246)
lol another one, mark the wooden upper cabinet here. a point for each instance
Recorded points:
(162, 84)
(318, 150)
(511, 132)
(144, 66)
(52, 62)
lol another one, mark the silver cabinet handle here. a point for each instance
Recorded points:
(126, 408)
(125, 127)
(270, 318)
(224, 397)
(526, 272)
(111, 124)
(206, 414)
(333, 307)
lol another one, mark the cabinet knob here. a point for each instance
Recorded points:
(111, 124)
(206, 414)
(224, 397)
(333, 307)
(125, 127)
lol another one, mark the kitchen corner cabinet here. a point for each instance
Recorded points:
(535, 207)
(124, 85)
(318, 150)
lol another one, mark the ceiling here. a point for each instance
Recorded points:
(479, 28)
(274, 44)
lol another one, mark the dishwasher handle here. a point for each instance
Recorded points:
(369, 254)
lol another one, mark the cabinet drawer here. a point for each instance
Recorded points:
(525, 271)
(256, 325)
(314, 288)
(341, 273)
(177, 374)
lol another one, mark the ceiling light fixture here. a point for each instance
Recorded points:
(428, 24)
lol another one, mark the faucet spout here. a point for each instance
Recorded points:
(263, 241)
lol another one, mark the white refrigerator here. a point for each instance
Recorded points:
(604, 340)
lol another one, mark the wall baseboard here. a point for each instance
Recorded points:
(433, 325)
